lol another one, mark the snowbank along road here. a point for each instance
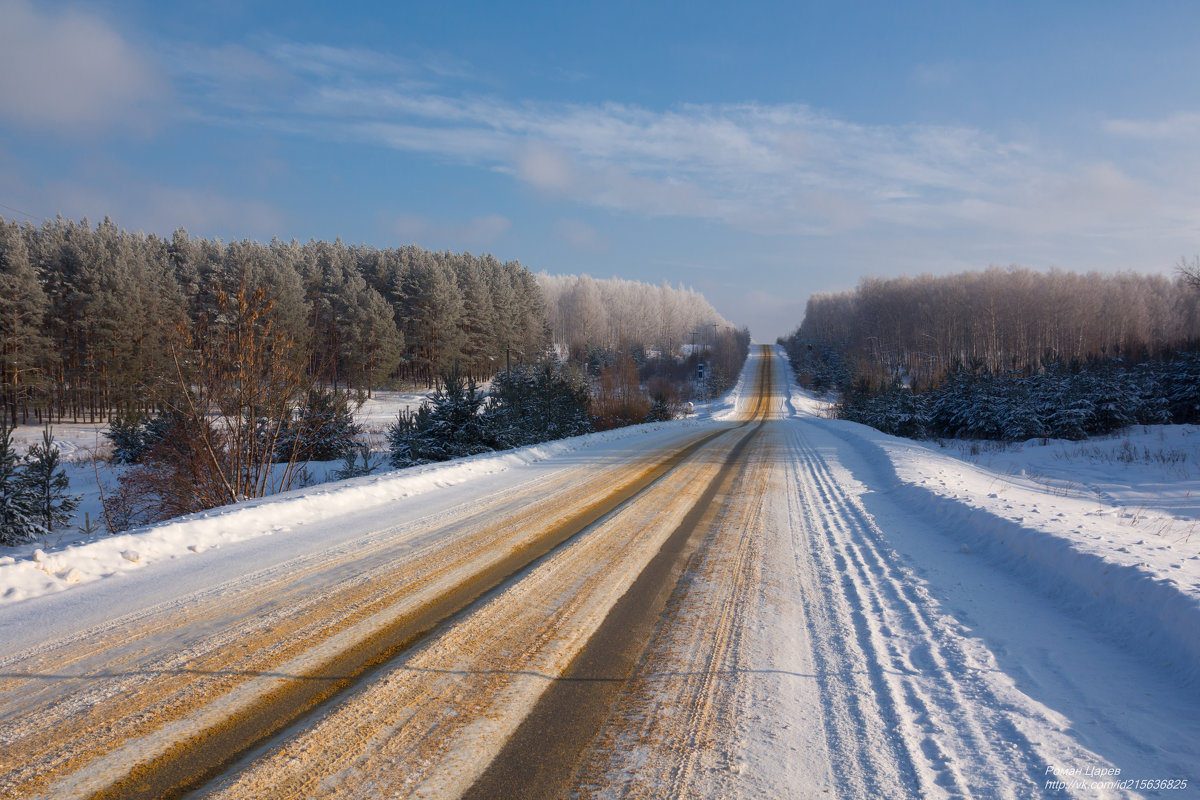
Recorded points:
(740, 608)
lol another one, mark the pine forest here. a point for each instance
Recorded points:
(92, 317)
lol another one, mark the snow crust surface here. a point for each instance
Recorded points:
(1116, 542)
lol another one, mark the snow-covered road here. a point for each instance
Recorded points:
(841, 638)
(852, 616)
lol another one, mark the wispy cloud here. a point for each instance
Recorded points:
(72, 73)
(1176, 126)
(332, 62)
(767, 169)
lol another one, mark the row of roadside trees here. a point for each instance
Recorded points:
(1006, 354)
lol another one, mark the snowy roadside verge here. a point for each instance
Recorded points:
(31, 572)
(1139, 588)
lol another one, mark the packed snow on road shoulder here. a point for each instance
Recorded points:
(39, 568)
(1109, 526)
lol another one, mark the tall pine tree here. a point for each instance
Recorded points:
(23, 305)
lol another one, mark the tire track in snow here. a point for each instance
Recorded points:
(920, 677)
(700, 712)
(864, 757)
(671, 730)
(717, 671)
(715, 661)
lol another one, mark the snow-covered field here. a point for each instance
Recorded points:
(85, 451)
(881, 617)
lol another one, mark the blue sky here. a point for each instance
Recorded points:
(759, 153)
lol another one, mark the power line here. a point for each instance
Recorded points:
(19, 211)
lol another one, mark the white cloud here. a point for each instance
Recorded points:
(71, 72)
(326, 60)
(784, 169)
(232, 76)
(546, 168)
(469, 145)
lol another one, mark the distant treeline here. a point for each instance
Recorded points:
(1006, 354)
(611, 314)
(918, 330)
(89, 315)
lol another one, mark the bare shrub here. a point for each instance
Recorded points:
(618, 398)
(238, 377)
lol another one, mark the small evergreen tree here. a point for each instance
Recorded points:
(659, 411)
(531, 404)
(321, 429)
(133, 435)
(568, 402)
(124, 431)
(1153, 405)
(18, 518)
(400, 435)
(1181, 387)
(448, 426)
(894, 409)
(1114, 399)
(511, 409)
(47, 484)
(1019, 418)
(356, 463)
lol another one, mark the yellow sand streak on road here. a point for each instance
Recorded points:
(189, 684)
(429, 725)
(104, 691)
